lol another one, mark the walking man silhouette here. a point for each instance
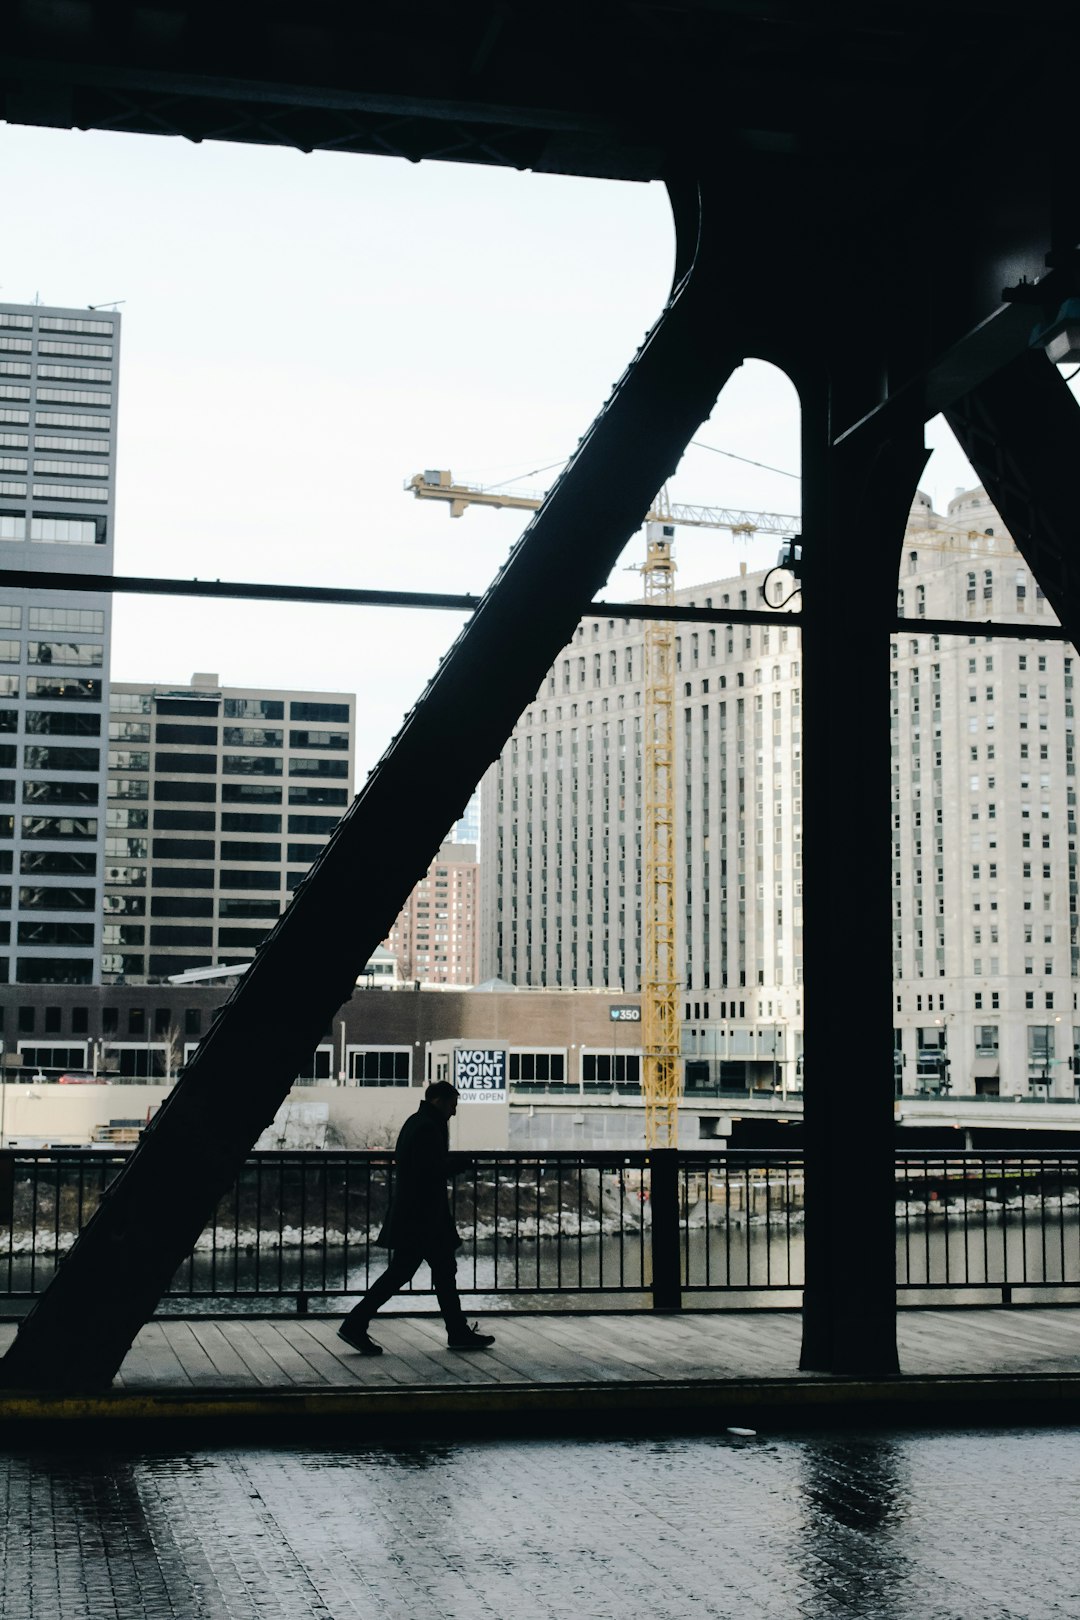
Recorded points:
(419, 1227)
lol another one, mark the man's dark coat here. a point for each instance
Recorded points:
(419, 1216)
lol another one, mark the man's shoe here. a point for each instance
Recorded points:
(470, 1338)
(356, 1337)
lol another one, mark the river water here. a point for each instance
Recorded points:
(732, 1266)
(739, 1265)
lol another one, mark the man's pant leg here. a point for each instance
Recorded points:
(443, 1263)
(403, 1266)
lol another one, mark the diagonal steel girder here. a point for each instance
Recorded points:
(1020, 429)
(80, 1329)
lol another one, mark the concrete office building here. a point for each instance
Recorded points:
(219, 799)
(436, 936)
(561, 864)
(984, 828)
(985, 948)
(58, 395)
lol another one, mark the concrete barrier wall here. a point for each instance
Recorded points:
(359, 1116)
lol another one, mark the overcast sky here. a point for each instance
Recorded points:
(303, 333)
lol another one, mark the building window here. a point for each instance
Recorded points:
(317, 767)
(330, 712)
(380, 1067)
(192, 764)
(254, 764)
(192, 736)
(319, 739)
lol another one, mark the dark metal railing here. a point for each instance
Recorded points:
(997, 1221)
(595, 1229)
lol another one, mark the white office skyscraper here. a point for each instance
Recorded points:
(983, 827)
(58, 389)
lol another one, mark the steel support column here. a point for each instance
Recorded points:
(856, 499)
(83, 1325)
(1021, 432)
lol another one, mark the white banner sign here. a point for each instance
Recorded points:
(480, 1074)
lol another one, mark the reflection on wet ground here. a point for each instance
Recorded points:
(904, 1526)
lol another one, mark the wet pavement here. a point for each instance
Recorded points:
(904, 1526)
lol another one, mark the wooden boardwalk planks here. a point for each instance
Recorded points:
(305, 1353)
(283, 1354)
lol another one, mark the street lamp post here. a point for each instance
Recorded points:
(944, 1083)
(614, 1055)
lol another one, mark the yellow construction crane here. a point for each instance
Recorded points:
(439, 486)
(661, 1025)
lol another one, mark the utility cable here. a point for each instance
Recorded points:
(733, 457)
(502, 484)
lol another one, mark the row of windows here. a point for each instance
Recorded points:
(203, 849)
(249, 821)
(89, 351)
(234, 736)
(52, 969)
(55, 933)
(71, 469)
(73, 531)
(52, 722)
(72, 419)
(89, 447)
(58, 898)
(60, 323)
(53, 419)
(76, 396)
(129, 934)
(128, 759)
(164, 1021)
(190, 877)
(202, 877)
(72, 323)
(59, 826)
(73, 654)
(68, 492)
(237, 708)
(133, 787)
(39, 791)
(91, 620)
(69, 689)
(236, 908)
(76, 374)
(46, 687)
(39, 758)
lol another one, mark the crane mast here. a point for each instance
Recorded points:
(661, 1025)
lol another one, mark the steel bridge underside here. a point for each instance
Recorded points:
(856, 191)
